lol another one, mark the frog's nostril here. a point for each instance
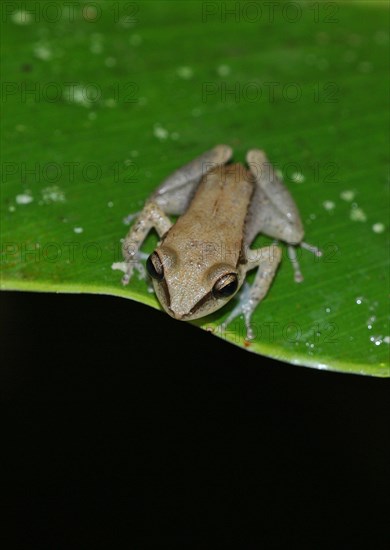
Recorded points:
(176, 314)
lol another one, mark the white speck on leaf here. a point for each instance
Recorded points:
(78, 94)
(43, 52)
(78, 230)
(160, 133)
(52, 194)
(223, 70)
(21, 17)
(328, 205)
(347, 195)
(24, 198)
(185, 73)
(297, 177)
(377, 340)
(378, 227)
(370, 322)
(357, 214)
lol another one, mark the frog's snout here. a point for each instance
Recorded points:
(180, 316)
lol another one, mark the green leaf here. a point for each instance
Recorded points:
(103, 102)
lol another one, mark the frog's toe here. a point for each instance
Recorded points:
(141, 270)
(125, 279)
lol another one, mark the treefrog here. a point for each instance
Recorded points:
(202, 259)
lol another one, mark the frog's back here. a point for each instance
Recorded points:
(220, 204)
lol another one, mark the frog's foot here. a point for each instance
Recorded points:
(266, 259)
(135, 265)
(151, 217)
(245, 306)
(128, 268)
(292, 254)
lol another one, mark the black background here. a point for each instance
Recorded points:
(121, 424)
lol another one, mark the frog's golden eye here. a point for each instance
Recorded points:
(155, 267)
(225, 286)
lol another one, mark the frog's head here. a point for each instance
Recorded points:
(191, 288)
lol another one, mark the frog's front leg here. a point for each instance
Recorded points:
(151, 217)
(172, 196)
(266, 259)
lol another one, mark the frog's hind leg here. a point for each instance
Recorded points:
(273, 211)
(174, 194)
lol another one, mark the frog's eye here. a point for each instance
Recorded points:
(155, 267)
(225, 286)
